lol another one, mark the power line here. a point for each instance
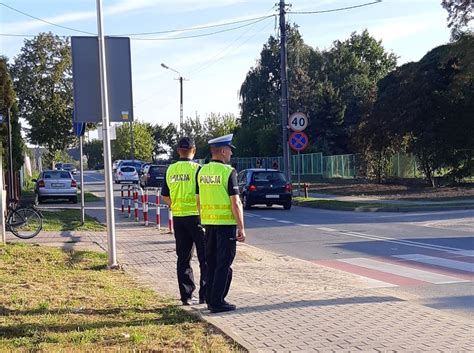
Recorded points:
(205, 34)
(334, 10)
(45, 21)
(197, 27)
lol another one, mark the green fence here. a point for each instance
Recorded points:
(338, 166)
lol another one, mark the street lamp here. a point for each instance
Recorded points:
(180, 78)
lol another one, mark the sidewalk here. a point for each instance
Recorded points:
(285, 304)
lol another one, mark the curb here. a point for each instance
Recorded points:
(436, 208)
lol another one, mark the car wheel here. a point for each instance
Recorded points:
(246, 202)
(287, 205)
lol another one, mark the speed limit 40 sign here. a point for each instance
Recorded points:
(298, 121)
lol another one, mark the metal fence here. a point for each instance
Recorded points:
(337, 166)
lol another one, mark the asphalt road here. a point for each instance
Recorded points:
(426, 257)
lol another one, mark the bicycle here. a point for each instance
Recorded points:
(23, 222)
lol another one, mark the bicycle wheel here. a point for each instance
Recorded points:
(25, 223)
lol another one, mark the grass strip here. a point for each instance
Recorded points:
(365, 206)
(55, 300)
(69, 219)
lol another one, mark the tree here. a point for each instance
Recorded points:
(94, 152)
(8, 102)
(335, 88)
(459, 16)
(42, 76)
(143, 142)
(426, 108)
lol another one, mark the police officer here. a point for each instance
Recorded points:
(180, 193)
(222, 215)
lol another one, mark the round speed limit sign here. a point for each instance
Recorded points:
(298, 121)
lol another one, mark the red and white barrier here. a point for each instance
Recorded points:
(129, 203)
(170, 221)
(145, 206)
(135, 204)
(158, 209)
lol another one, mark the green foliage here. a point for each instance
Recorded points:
(143, 143)
(426, 108)
(42, 76)
(7, 102)
(459, 16)
(50, 159)
(94, 152)
(335, 88)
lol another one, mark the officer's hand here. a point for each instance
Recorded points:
(241, 235)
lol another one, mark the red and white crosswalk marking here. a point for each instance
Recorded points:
(409, 269)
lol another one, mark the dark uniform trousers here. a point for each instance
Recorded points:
(220, 253)
(189, 234)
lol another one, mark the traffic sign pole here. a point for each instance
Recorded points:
(109, 187)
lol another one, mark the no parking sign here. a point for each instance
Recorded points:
(298, 141)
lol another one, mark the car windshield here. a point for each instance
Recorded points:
(268, 177)
(56, 175)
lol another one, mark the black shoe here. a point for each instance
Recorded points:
(221, 308)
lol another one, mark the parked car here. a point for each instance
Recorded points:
(58, 166)
(115, 164)
(126, 174)
(70, 168)
(144, 168)
(55, 184)
(264, 186)
(153, 176)
(136, 163)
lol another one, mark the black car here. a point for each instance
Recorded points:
(264, 186)
(153, 176)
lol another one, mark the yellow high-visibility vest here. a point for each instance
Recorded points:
(214, 199)
(181, 180)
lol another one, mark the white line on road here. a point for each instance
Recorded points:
(398, 270)
(458, 265)
(268, 219)
(285, 222)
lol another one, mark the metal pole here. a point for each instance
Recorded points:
(81, 167)
(11, 189)
(284, 92)
(109, 190)
(132, 142)
(299, 173)
(2, 203)
(180, 105)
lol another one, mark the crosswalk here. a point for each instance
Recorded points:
(408, 269)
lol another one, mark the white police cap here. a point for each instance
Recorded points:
(225, 140)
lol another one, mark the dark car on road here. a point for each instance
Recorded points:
(153, 176)
(264, 186)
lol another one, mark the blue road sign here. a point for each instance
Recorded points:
(298, 141)
(79, 128)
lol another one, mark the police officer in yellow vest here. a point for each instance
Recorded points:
(180, 193)
(222, 216)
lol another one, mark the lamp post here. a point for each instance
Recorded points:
(180, 78)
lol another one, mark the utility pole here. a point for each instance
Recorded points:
(11, 188)
(284, 93)
(180, 105)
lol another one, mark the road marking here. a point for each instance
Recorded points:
(327, 229)
(437, 261)
(285, 222)
(268, 219)
(464, 252)
(304, 225)
(403, 271)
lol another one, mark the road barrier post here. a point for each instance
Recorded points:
(145, 206)
(170, 221)
(129, 203)
(158, 209)
(135, 203)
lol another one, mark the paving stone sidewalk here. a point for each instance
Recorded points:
(286, 304)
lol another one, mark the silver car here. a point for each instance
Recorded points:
(69, 167)
(56, 184)
(126, 174)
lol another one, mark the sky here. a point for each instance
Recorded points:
(215, 66)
